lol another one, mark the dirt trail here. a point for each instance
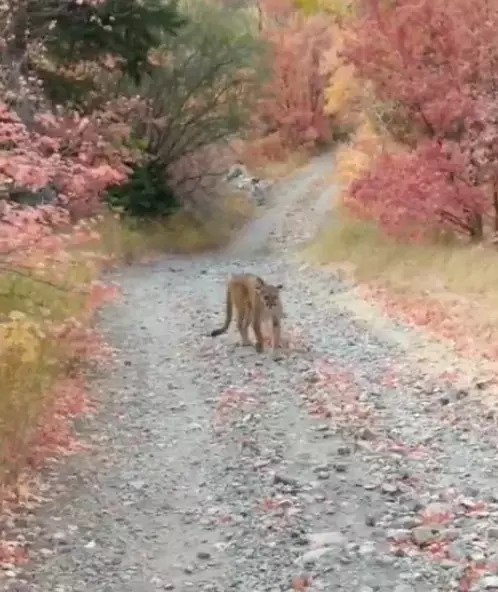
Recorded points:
(217, 469)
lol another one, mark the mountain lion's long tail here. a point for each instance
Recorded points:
(228, 318)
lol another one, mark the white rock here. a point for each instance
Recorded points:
(312, 556)
(325, 539)
(489, 583)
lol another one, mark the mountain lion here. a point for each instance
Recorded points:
(255, 301)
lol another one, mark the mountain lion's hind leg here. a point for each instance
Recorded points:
(256, 327)
(243, 320)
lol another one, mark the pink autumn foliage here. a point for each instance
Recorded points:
(78, 159)
(437, 60)
(68, 152)
(413, 193)
(292, 107)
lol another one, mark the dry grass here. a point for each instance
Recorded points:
(440, 267)
(279, 169)
(449, 288)
(28, 372)
(31, 361)
(129, 241)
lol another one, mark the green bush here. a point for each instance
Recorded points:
(146, 194)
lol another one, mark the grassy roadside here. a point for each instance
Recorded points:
(449, 289)
(128, 242)
(45, 341)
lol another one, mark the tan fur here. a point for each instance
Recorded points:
(255, 302)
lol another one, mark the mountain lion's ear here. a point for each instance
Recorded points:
(280, 287)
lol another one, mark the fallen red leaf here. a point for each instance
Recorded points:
(301, 582)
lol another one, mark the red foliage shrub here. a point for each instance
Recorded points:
(77, 162)
(433, 56)
(68, 152)
(437, 60)
(414, 193)
(292, 108)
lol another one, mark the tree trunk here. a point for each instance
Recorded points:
(260, 17)
(17, 44)
(476, 227)
(495, 207)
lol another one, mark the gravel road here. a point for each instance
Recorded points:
(343, 466)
